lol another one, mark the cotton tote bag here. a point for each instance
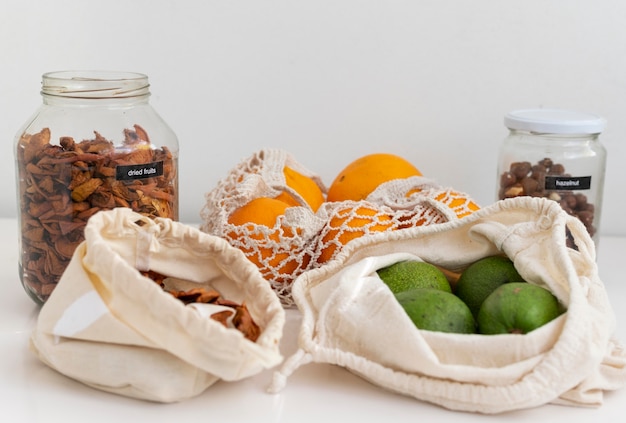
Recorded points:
(351, 318)
(110, 327)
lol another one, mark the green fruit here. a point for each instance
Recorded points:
(407, 275)
(482, 277)
(436, 310)
(517, 307)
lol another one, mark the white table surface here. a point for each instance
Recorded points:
(32, 392)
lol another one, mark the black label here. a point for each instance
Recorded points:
(568, 183)
(139, 171)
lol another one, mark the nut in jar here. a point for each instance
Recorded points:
(548, 179)
(555, 154)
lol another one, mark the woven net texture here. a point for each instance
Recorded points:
(303, 239)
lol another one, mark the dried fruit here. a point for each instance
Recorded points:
(241, 318)
(62, 185)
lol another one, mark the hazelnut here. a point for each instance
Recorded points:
(507, 179)
(530, 185)
(520, 169)
(514, 191)
(554, 196)
(556, 169)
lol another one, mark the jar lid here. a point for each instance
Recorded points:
(554, 121)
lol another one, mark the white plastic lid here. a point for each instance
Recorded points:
(554, 121)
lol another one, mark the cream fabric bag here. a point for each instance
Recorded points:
(111, 328)
(351, 319)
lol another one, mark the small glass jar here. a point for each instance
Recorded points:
(94, 144)
(555, 154)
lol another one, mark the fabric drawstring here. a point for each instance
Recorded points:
(279, 380)
(144, 241)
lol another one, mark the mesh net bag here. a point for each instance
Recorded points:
(279, 251)
(302, 238)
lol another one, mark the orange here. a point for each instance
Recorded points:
(303, 185)
(413, 191)
(460, 203)
(261, 211)
(419, 216)
(263, 240)
(357, 180)
(350, 222)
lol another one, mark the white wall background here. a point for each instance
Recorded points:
(332, 80)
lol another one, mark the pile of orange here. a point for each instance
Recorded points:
(260, 232)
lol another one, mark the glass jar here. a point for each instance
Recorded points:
(555, 154)
(94, 144)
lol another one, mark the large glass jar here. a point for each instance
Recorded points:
(94, 144)
(555, 154)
